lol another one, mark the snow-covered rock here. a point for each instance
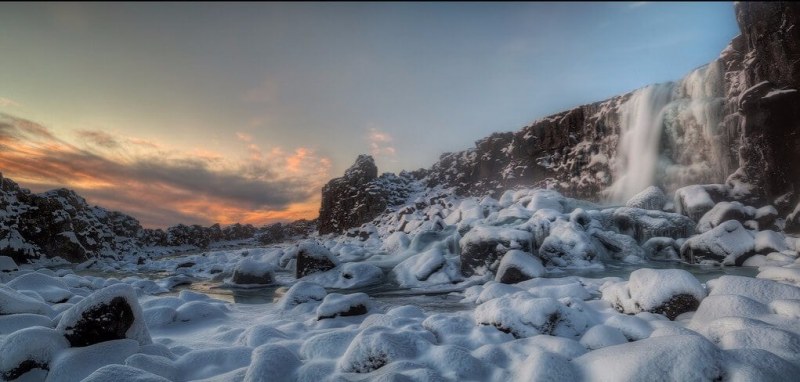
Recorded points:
(313, 258)
(729, 243)
(670, 292)
(517, 266)
(251, 272)
(339, 305)
(483, 246)
(523, 315)
(111, 313)
(28, 349)
(722, 212)
(7, 264)
(651, 198)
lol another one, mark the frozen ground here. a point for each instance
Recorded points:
(532, 286)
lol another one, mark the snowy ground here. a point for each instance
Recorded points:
(532, 286)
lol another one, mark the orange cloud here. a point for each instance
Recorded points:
(163, 187)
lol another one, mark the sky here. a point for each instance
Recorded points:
(240, 112)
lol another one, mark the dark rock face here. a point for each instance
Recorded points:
(360, 196)
(105, 322)
(676, 306)
(770, 116)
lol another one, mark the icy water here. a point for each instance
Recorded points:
(442, 299)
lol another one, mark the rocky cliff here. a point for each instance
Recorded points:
(60, 223)
(734, 121)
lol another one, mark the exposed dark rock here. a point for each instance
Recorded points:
(187, 264)
(23, 368)
(677, 305)
(104, 322)
(357, 310)
(313, 259)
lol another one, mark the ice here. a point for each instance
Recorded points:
(651, 198)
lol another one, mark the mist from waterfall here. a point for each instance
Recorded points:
(641, 127)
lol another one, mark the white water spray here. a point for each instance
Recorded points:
(641, 125)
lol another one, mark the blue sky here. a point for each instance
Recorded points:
(289, 94)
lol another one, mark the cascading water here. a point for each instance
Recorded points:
(670, 136)
(641, 126)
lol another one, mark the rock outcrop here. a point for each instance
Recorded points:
(359, 196)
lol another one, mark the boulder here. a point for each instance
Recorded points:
(670, 292)
(251, 272)
(111, 313)
(729, 243)
(339, 305)
(643, 225)
(483, 246)
(313, 258)
(517, 266)
(651, 198)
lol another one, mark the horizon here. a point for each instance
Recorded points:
(191, 123)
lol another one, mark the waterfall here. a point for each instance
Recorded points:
(670, 135)
(641, 126)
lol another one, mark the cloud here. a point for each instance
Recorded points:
(380, 143)
(165, 187)
(98, 138)
(7, 102)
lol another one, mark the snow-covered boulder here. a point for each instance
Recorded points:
(29, 349)
(348, 276)
(51, 289)
(765, 217)
(793, 220)
(729, 243)
(645, 224)
(7, 264)
(524, 315)
(109, 314)
(483, 246)
(12, 302)
(251, 272)
(518, 266)
(378, 346)
(300, 293)
(651, 198)
(118, 373)
(670, 292)
(619, 246)
(662, 248)
(343, 305)
(567, 244)
(694, 201)
(670, 358)
(272, 363)
(722, 212)
(313, 258)
(433, 266)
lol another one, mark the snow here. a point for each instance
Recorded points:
(525, 263)
(7, 264)
(729, 243)
(649, 290)
(335, 305)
